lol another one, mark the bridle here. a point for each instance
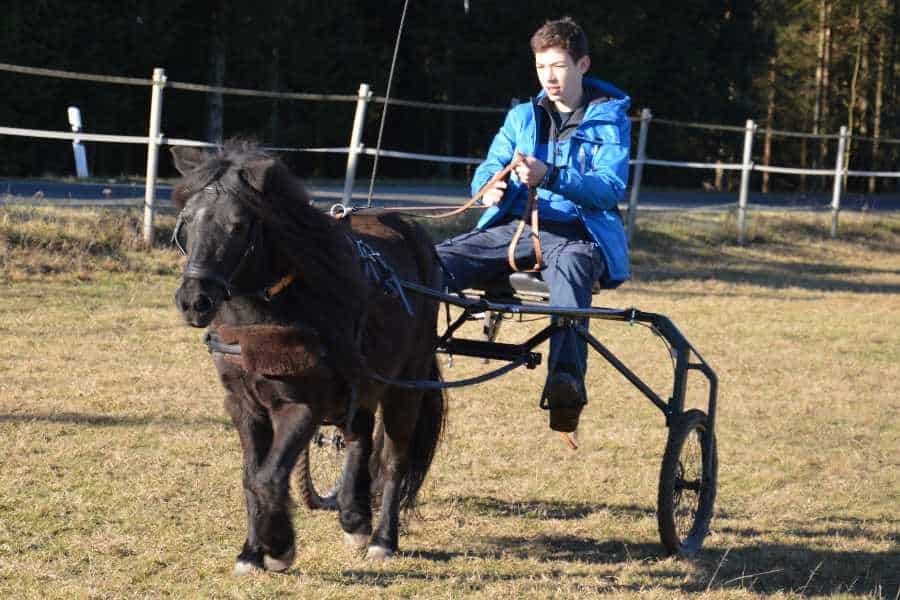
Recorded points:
(203, 272)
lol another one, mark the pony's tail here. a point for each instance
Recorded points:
(426, 436)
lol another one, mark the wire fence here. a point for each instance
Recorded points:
(154, 139)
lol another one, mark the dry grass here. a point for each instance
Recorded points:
(121, 475)
(81, 244)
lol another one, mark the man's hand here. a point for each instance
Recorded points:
(494, 194)
(531, 171)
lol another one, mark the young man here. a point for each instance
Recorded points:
(575, 139)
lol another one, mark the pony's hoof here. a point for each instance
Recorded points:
(356, 541)
(378, 553)
(242, 567)
(282, 563)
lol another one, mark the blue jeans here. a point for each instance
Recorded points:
(572, 263)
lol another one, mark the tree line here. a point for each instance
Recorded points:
(802, 65)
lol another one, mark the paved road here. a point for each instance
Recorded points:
(117, 195)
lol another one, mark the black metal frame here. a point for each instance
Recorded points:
(687, 358)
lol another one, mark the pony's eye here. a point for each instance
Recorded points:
(237, 227)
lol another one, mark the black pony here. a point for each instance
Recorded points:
(268, 269)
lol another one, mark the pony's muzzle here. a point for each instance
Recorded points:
(197, 304)
(202, 304)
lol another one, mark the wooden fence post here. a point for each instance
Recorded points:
(646, 115)
(359, 119)
(746, 168)
(156, 99)
(838, 180)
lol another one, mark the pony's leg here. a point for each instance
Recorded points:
(400, 415)
(293, 428)
(354, 503)
(255, 431)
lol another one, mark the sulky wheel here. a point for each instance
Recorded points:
(687, 484)
(319, 468)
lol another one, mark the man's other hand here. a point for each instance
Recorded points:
(494, 194)
(531, 171)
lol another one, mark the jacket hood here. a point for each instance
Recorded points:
(606, 88)
(618, 99)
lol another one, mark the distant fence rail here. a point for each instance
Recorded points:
(154, 139)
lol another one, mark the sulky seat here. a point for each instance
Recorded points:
(521, 285)
(513, 289)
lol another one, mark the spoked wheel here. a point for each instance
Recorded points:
(687, 484)
(319, 468)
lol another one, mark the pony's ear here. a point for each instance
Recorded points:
(187, 159)
(254, 173)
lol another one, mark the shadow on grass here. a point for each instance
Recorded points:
(546, 549)
(575, 549)
(645, 287)
(774, 566)
(547, 509)
(555, 509)
(831, 527)
(824, 561)
(821, 563)
(661, 256)
(549, 548)
(803, 568)
(761, 568)
(100, 420)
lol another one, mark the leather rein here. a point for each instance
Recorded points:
(531, 210)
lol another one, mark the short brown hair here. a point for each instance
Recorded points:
(564, 33)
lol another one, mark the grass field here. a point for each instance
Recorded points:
(121, 474)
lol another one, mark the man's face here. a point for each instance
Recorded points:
(560, 76)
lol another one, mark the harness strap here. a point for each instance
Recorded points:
(382, 274)
(532, 208)
(427, 384)
(280, 285)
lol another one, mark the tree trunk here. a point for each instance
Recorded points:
(826, 70)
(890, 79)
(854, 81)
(879, 94)
(218, 48)
(894, 124)
(820, 69)
(862, 89)
(770, 123)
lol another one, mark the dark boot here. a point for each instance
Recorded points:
(564, 396)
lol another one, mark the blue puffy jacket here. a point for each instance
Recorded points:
(592, 171)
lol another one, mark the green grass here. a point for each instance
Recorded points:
(121, 473)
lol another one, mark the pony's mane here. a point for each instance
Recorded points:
(315, 245)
